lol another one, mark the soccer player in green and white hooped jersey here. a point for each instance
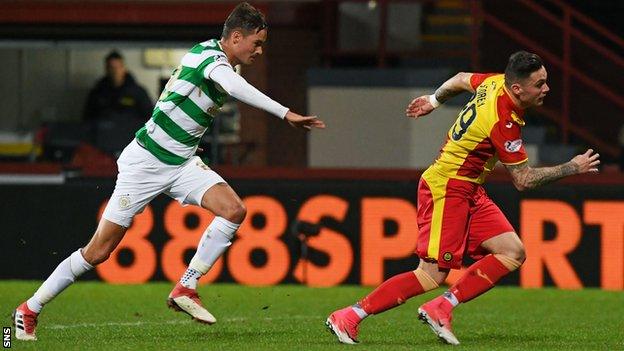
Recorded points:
(161, 160)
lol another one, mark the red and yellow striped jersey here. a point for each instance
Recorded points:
(486, 130)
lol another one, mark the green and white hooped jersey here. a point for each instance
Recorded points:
(186, 107)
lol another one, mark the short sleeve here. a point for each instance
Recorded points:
(212, 62)
(507, 141)
(477, 78)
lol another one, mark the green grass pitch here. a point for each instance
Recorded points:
(97, 316)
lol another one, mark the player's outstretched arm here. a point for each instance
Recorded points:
(525, 177)
(304, 122)
(237, 87)
(423, 105)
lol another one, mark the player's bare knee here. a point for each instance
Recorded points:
(235, 212)
(521, 255)
(507, 245)
(101, 257)
(512, 258)
(440, 278)
(427, 281)
(435, 273)
(97, 251)
(95, 257)
(516, 253)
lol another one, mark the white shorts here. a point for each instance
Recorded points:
(142, 177)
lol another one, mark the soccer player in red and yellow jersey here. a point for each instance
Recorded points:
(455, 215)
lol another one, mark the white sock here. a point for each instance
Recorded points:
(62, 277)
(359, 311)
(190, 277)
(450, 297)
(216, 239)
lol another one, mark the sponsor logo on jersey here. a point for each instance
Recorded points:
(513, 145)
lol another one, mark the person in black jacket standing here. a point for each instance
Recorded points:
(117, 103)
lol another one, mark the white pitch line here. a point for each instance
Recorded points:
(187, 321)
(110, 324)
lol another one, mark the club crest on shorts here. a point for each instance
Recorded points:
(447, 256)
(124, 202)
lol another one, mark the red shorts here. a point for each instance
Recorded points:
(455, 216)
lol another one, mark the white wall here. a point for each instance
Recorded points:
(367, 127)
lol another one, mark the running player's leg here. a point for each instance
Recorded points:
(229, 212)
(199, 185)
(138, 182)
(391, 293)
(103, 242)
(507, 255)
(442, 241)
(442, 222)
(489, 232)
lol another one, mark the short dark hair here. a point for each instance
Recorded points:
(113, 55)
(520, 66)
(246, 18)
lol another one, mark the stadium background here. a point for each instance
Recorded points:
(355, 64)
